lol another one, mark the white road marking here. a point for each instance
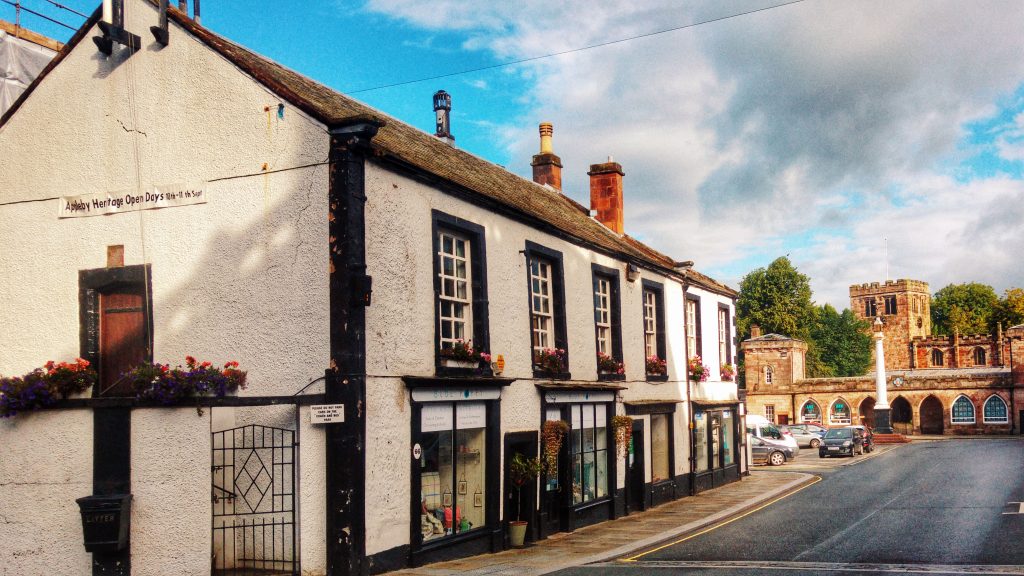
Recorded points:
(994, 569)
(1020, 508)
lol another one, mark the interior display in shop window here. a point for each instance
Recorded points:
(452, 468)
(660, 469)
(588, 451)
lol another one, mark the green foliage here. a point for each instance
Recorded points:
(1010, 310)
(777, 298)
(842, 343)
(968, 308)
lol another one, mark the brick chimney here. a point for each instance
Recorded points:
(606, 193)
(755, 331)
(547, 167)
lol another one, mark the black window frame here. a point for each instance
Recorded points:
(441, 221)
(937, 353)
(870, 307)
(611, 275)
(698, 337)
(728, 333)
(553, 257)
(890, 305)
(658, 289)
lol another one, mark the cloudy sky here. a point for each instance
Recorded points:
(816, 129)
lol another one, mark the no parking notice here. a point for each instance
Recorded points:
(326, 413)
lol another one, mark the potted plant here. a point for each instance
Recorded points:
(522, 470)
(461, 354)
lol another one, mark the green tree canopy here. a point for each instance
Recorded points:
(968, 308)
(776, 298)
(842, 342)
(1010, 310)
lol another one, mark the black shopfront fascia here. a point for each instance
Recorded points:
(559, 514)
(718, 473)
(480, 539)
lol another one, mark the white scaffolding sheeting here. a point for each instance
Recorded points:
(20, 62)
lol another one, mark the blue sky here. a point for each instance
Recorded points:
(822, 130)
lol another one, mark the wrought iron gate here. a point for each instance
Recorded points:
(253, 494)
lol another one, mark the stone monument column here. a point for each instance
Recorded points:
(883, 423)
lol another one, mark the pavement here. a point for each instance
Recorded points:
(616, 538)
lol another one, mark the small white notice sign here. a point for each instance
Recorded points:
(326, 413)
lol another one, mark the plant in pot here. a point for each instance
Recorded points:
(522, 470)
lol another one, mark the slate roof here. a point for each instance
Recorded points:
(411, 146)
(770, 338)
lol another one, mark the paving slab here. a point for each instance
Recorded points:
(619, 537)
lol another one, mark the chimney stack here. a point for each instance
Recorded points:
(755, 331)
(547, 167)
(442, 113)
(606, 193)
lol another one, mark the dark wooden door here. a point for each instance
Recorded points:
(867, 412)
(636, 465)
(123, 338)
(931, 416)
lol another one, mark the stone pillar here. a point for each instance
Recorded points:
(883, 423)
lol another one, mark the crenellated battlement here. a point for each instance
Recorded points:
(888, 287)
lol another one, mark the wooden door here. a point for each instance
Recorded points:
(123, 338)
(931, 416)
(636, 467)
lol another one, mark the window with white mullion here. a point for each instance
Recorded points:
(603, 315)
(455, 299)
(722, 329)
(691, 329)
(540, 302)
(650, 324)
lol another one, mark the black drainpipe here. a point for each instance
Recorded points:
(346, 374)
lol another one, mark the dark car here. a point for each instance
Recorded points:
(841, 441)
(867, 438)
(769, 452)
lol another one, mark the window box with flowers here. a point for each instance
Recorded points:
(696, 370)
(173, 386)
(657, 369)
(608, 368)
(462, 355)
(728, 372)
(550, 363)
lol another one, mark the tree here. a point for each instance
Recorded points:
(1010, 310)
(968, 308)
(842, 343)
(777, 298)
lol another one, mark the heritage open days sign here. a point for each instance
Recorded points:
(165, 196)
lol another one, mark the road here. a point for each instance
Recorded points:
(940, 507)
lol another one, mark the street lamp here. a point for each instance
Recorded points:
(883, 424)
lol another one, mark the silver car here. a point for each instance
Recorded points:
(771, 452)
(805, 434)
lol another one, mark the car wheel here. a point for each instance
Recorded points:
(776, 458)
(815, 443)
(820, 455)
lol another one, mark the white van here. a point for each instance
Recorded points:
(760, 427)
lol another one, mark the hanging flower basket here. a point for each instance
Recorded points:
(552, 434)
(622, 426)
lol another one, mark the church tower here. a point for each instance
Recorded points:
(905, 309)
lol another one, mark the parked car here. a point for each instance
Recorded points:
(840, 441)
(760, 427)
(771, 452)
(867, 438)
(804, 434)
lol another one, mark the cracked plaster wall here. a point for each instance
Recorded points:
(242, 277)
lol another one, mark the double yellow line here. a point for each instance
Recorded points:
(717, 526)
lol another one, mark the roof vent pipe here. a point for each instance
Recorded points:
(442, 116)
(195, 11)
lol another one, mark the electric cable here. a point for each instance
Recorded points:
(571, 50)
(43, 16)
(68, 8)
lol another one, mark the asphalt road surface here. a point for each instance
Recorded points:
(941, 507)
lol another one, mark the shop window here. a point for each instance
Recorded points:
(962, 411)
(607, 322)
(979, 356)
(995, 411)
(660, 447)
(810, 412)
(840, 413)
(727, 438)
(588, 452)
(937, 357)
(452, 468)
(890, 305)
(547, 303)
(693, 335)
(460, 283)
(700, 442)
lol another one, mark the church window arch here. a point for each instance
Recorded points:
(810, 412)
(995, 410)
(839, 412)
(962, 411)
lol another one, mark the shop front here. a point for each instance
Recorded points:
(654, 426)
(581, 490)
(455, 486)
(715, 445)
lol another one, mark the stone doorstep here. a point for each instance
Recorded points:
(606, 540)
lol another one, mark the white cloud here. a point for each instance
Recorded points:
(818, 126)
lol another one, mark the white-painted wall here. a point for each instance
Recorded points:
(242, 277)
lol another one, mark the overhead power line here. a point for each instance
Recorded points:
(18, 6)
(69, 9)
(572, 50)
